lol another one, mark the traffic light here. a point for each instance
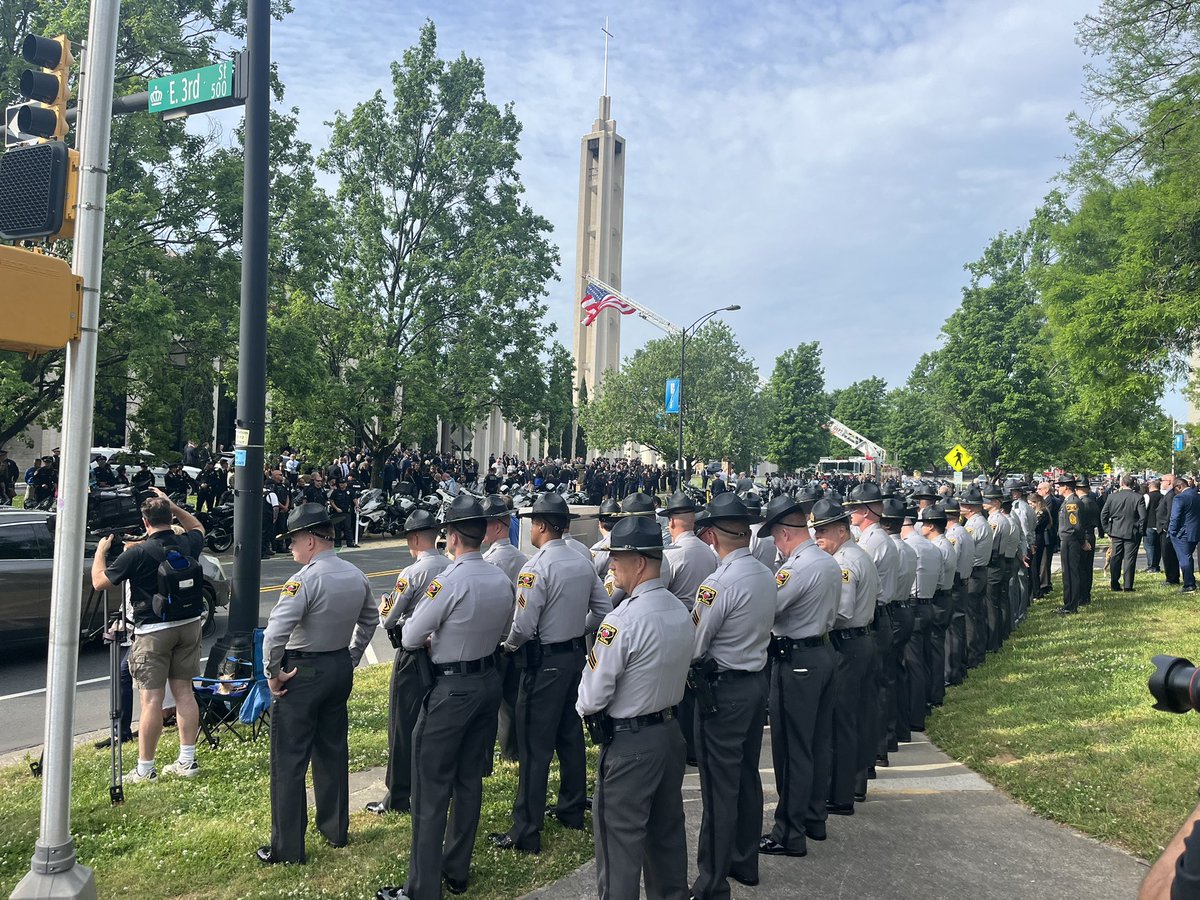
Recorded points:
(46, 116)
(41, 302)
(38, 191)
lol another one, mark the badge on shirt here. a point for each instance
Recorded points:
(1072, 518)
(289, 590)
(609, 586)
(706, 595)
(845, 576)
(432, 590)
(781, 577)
(401, 584)
(605, 634)
(526, 580)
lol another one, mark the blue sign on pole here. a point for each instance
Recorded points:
(671, 403)
(239, 458)
(1178, 443)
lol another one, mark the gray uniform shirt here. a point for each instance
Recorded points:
(929, 566)
(507, 558)
(964, 549)
(1002, 531)
(1018, 528)
(808, 586)
(981, 535)
(559, 597)
(320, 608)
(691, 562)
(860, 586)
(942, 544)
(577, 545)
(465, 610)
(600, 556)
(764, 549)
(879, 547)
(640, 660)
(906, 572)
(410, 585)
(734, 612)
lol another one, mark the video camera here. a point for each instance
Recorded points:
(1175, 684)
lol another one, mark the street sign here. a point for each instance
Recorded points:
(209, 85)
(958, 480)
(958, 457)
(1107, 469)
(1178, 445)
(671, 403)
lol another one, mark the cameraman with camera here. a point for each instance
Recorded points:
(165, 593)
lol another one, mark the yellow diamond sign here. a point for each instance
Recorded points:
(958, 457)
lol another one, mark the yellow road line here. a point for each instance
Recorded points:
(279, 587)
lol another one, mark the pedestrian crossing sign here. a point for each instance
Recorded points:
(958, 457)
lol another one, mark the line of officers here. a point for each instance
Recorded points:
(842, 621)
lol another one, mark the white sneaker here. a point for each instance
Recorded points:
(190, 770)
(135, 777)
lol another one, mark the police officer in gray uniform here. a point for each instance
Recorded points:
(903, 621)
(931, 522)
(964, 552)
(508, 559)
(407, 690)
(643, 506)
(852, 639)
(310, 672)
(997, 567)
(762, 545)
(733, 614)
(557, 593)
(634, 679)
(610, 510)
(919, 651)
(463, 614)
(981, 536)
(803, 666)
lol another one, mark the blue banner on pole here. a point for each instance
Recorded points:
(1178, 443)
(671, 403)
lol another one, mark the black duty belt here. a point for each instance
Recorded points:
(563, 646)
(922, 601)
(466, 667)
(313, 654)
(733, 674)
(844, 633)
(898, 604)
(788, 644)
(637, 722)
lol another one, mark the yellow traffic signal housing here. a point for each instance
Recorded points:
(41, 302)
(46, 116)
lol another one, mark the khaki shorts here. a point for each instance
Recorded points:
(169, 653)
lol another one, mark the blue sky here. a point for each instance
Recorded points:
(828, 165)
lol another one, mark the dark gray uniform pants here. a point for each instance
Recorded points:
(404, 706)
(803, 688)
(1072, 565)
(911, 710)
(874, 730)
(548, 724)
(854, 698)
(309, 722)
(728, 747)
(638, 809)
(956, 635)
(936, 653)
(506, 727)
(452, 749)
(995, 589)
(977, 626)
(1123, 563)
(903, 618)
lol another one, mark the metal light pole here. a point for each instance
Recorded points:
(683, 336)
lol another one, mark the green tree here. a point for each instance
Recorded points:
(556, 408)
(862, 406)
(435, 310)
(723, 410)
(799, 408)
(914, 431)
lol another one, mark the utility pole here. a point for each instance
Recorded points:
(53, 869)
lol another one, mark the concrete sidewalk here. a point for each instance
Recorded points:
(931, 828)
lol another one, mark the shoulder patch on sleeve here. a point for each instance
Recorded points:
(610, 586)
(432, 591)
(695, 615)
(781, 577)
(388, 603)
(605, 634)
(401, 584)
(845, 576)
(289, 589)
(706, 595)
(521, 601)
(591, 658)
(526, 579)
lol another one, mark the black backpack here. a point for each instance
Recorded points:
(180, 593)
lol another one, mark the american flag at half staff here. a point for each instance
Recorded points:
(596, 299)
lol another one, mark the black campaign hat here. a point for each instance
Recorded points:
(949, 505)
(419, 520)
(1084, 482)
(1066, 478)
(934, 514)
(780, 508)
(971, 497)
(495, 507)
(865, 493)
(463, 508)
(610, 509)
(730, 506)
(548, 506)
(893, 508)
(826, 512)
(810, 493)
(636, 533)
(307, 516)
(991, 492)
(681, 502)
(638, 504)
(923, 491)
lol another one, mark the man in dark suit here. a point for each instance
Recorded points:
(1123, 516)
(1150, 500)
(1184, 529)
(1170, 562)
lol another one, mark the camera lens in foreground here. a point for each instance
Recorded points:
(1174, 684)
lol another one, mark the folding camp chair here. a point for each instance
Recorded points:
(236, 703)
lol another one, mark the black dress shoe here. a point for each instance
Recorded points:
(454, 886)
(882, 761)
(840, 809)
(382, 808)
(816, 832)
(753, 882)
(267, 856)
(566, 823)
(1063, 611)
(860, 798)
(505, 842)
(337, 845)
(768, 846)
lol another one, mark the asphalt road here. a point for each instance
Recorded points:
(23, 675)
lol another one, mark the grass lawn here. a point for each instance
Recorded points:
(197, 838)
(1061, 718)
